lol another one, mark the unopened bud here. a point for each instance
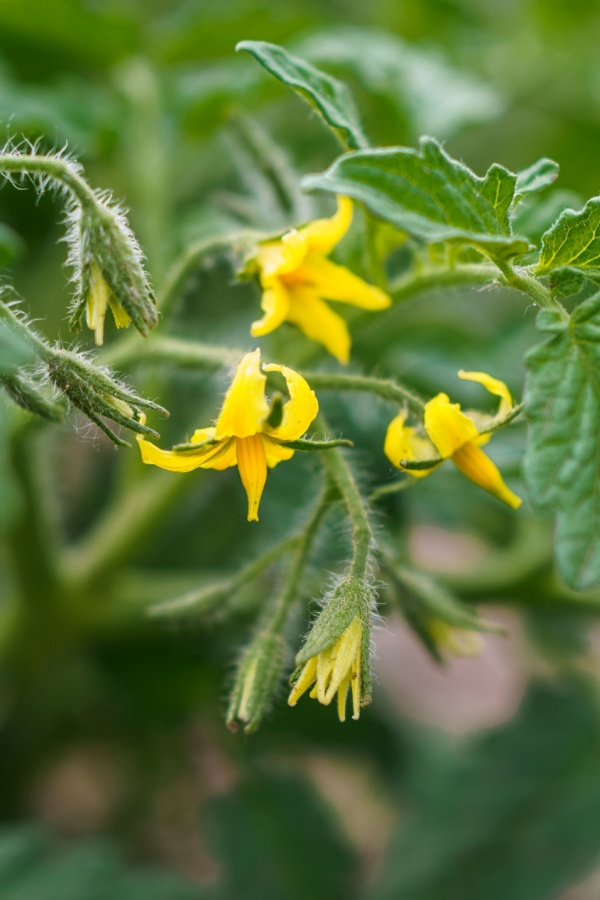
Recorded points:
(109, 271)
(258, 674)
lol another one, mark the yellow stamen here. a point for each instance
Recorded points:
(252, 465)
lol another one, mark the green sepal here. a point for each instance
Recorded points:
(312, 446)
(330, 97)
(351, 598)
(424, 601)
(430, 196)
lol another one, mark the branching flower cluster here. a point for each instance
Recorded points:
(459, 229)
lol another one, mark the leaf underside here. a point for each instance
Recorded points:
(562, 464)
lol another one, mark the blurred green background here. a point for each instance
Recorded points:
(479, 780)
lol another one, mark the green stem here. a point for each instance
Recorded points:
(226, 587)
(522, 280)
(340, 474)
(277, 614)
(62, 170)
(407, 286)
(163, 349)
(385, 388)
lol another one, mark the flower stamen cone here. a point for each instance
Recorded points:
(296, 279)
(333, 671)
(99, 298)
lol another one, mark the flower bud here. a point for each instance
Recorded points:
(336, 654)
(258, 674)
(108, 270)
(98, 394)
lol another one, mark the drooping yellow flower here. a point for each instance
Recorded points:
(242, 434)
(456, 641)
(453, 434)
(296, 277)
(99, 298)
(334, 670)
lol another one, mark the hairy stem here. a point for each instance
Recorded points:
(341, 476)
(54, 167)
(385, 388)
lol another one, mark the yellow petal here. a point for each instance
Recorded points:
(275, 305)
(275, 451)
(338, 283)
(225, 459)
(121, 317)
(476, 465)
(300, 409)
(97, 302)
(245, 405)
(404, 443)
(447, 427)
(342, 695)
(217, 456)
(493, 385)
(252, 465)
(323, 235)
(355, 682)
(277, 258)
(343, 657)
(305, 679)
(318, 322)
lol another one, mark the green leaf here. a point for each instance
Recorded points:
(513, 815)
(574, 241)
(562, 403)
(419, 82)
(258, 834)
(536, 177)
(328, 96)
(429, 195)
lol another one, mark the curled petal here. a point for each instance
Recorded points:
(338, 283)
(323, 235)
(305, 680)
(252, 465)
(275, 305)
(447, 427)
(215, 456)
(405, 443)
(493, 385)
(245, 405)
(275, 451)
(476, 465)
(300, 409)
(319, 322)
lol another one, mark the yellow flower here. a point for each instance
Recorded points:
(334, 670)
(453, 434)
(295, 277)
(99, 298)
(242, 434)
(457, 641)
